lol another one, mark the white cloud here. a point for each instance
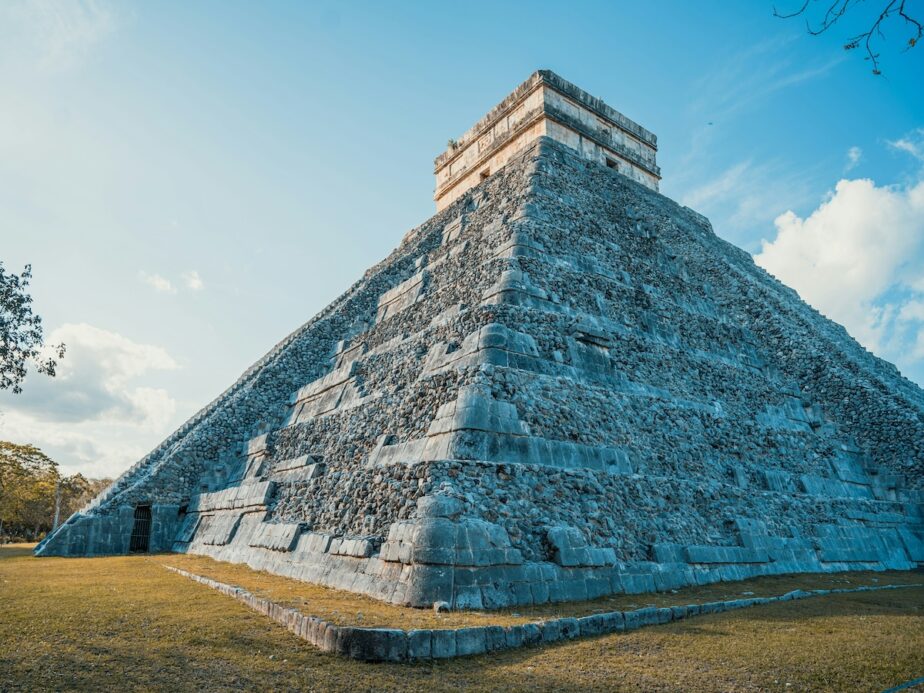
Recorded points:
(94, 380)
(854, 154)
(157, 282)
(193, 280)
(94, 451)
(94, 416)
(859, 258)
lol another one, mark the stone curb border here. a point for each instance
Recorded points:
(396, 645)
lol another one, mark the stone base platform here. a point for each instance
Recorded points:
(396, 645)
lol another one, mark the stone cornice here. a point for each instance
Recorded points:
(562, 119)
(565, 89)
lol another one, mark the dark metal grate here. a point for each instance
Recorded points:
(141, 531)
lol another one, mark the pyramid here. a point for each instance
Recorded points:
(561, 386)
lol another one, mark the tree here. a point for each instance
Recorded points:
(27, 486)
(31, 486)
(77, 491)
(886, 12)
(21, 333)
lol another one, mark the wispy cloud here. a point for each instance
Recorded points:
(157, 282)
(854, 154)
(749, 77)
(190, 280)
(53, 35)
(747, 194)
(727, 182)
(741, 193)
(193, 281)
(912, 143)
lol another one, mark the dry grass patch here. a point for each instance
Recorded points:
(126, 623)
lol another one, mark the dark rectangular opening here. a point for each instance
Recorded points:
(612, 163)
(485, 174)
(141, 530)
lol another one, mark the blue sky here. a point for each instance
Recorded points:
(192, 181)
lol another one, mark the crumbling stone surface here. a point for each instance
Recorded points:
(564, 385)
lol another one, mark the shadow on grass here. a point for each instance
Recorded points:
(15, 550)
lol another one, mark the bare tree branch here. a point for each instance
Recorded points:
(836, 11)
(804, 7)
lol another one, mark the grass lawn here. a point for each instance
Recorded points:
(126, 623)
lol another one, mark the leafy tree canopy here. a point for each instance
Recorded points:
(21, 333)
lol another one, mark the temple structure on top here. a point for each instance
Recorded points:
(546, 105)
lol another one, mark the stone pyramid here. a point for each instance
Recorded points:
(561, 386)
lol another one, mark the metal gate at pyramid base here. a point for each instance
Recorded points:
(141, 530)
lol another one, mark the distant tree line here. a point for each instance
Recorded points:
(33, 493)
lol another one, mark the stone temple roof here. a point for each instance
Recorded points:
(546, 105)
(561, 84)
(563, 385)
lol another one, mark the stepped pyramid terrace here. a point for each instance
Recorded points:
(563, 385)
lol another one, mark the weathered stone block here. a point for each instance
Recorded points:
(378, 644)
(471, 641)
(419, 644)
(443, 644)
